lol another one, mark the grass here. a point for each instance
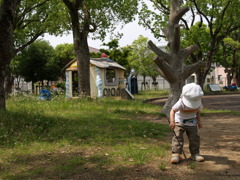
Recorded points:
(72, 138)
(62, 137)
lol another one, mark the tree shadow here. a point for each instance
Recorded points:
(76, 165)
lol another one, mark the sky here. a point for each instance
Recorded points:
(131, 32)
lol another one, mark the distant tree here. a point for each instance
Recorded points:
(141, 58)
(37, 62)
(231, 57)
(117, 53)
(64, 54)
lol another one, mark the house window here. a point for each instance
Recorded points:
(219, 77)
(110, 77)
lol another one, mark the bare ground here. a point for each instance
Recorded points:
(220, 144)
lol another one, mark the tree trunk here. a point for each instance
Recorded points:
(83, 61)
(7, 10)
(238, 77)
(171, 64)
(144, 83)
(174, 94)
(81, 44)
(200, 78)
(9, 81)
(33, 90)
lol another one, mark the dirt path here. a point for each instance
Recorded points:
(220, 145)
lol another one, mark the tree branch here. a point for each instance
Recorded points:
(185, 23)
(189, 50)
(161, 73)
(68, 4)
(190, 69)
(204, 15)
(218, 29)
(149, 27)
(179, 14)
(34, 38)
(161, 54)
(166, 10)
(193, 15)
(166, 70)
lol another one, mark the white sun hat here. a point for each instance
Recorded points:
(191, 95)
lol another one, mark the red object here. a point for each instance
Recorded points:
(104, 55)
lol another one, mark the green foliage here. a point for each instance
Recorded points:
(104, 15)
(141, 58)
(37, 63)
(64, 53)
(207, 24)
(36, 17)
(119, 55)
(150, 18)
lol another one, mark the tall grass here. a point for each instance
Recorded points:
(64, 136)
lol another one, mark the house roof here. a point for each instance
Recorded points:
(99, 62)
(105, 63)
(91, 49)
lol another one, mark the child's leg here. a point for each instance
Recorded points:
(178, 140)
(194, 139)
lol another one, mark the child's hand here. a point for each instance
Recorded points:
(172, 125)
(199, 125)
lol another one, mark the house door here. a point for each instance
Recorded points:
(75, 83)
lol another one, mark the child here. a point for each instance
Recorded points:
(185, 117)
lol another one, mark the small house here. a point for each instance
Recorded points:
(106, 78)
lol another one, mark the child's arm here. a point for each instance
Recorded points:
(199, 120)
(172, 119)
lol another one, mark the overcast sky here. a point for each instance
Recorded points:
(130, 32)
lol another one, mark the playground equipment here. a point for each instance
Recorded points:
(45, 95)
(232, 87)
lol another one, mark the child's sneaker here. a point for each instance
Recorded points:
(197, 157)
(175, 158)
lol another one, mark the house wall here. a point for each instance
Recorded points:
(93, 85)
(113, 90)
(220, 76)
(68, 84)
(107, 90)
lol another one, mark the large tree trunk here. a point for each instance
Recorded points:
(171, 65)
(9, 81)
(7, 10)
(83, 61)
(81, 44)
(174, 94)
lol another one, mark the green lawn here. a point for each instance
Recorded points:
(64, 137)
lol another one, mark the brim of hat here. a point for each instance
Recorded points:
(192, 103)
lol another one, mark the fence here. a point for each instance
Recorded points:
(160, 84)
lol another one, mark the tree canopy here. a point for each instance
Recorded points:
(141, 58)
(37, 62)
(220, 19)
